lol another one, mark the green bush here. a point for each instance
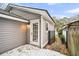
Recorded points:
(61, 36)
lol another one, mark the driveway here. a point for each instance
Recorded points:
(29, 50)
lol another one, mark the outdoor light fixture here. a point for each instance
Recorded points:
(28, 26)
(23, 27)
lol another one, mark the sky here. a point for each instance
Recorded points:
(58, 10)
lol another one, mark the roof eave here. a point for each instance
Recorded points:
(36, 9)
(13, 18)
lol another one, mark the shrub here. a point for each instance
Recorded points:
(61, 36)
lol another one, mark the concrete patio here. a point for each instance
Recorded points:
(29, 50)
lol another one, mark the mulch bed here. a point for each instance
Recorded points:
(58, 46)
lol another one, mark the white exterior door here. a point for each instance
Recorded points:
(34, 32)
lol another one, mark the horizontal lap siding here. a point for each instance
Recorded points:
(24, 14)
(51, 33)
(10, 35)
(45, 32)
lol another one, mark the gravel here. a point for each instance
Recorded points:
(29, 50)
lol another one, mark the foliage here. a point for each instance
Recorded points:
(60, 22)
(61, 36)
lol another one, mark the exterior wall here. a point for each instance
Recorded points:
(24, 14)
(31, 16)
(51, 33)
(50, 27)
(65, 34)
(12, 34)
(28, 36)
(44, 33)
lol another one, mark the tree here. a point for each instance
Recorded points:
(60, 22)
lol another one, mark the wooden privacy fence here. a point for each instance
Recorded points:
(73, 40)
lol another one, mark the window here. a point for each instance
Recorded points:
(35, 32)
(46, 25)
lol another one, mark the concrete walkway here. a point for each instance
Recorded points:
(29, 50)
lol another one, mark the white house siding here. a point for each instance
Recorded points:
(32, 16)
(50, 26)
(28, 36)
(44, 33)
(11, 34)
(25, 14)
(64, 33)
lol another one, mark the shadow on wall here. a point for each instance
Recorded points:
(51, 37)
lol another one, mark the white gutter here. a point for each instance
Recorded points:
(13, 18)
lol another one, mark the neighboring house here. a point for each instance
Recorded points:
(21, 25)
(72, 36)
(64, 32)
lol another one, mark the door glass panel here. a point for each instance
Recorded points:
(35, 32)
